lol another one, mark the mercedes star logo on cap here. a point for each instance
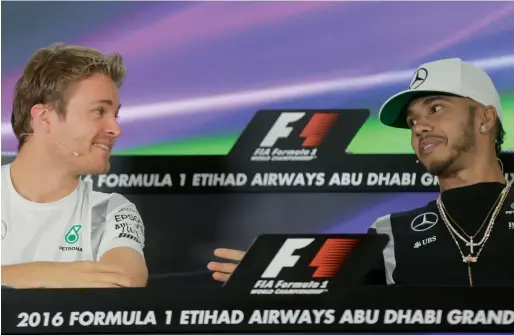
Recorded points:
(419, 78)
(424, 221)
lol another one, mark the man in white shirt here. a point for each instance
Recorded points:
(56, 231)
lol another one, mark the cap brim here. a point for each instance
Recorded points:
(394, 111)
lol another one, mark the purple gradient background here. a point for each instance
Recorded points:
(176, 51)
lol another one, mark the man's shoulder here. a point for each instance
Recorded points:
(6, 169)
(397, 219)
(411, 214)
(109, 204)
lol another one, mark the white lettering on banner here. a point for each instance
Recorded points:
(134, 180)
(214, 317)
(298, 316)
(286, 287)
(360, 316)
(267, 317)
(299, 155)
(219, 179)
(391, 179)
(36, 319)
(480, 317)
(429, 180)
(288, 179)
(346, 179)
(412, 316)
(110, 318)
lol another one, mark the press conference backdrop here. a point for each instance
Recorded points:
(198, 72)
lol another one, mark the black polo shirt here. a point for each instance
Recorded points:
(421, 250)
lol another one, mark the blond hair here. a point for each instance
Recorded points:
(49, 75)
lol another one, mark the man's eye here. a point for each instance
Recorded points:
(411, 123)
(436, 108)
(99, 111)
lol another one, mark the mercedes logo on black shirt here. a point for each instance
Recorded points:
(419, 78)
(424, 221)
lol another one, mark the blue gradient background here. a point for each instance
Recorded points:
(188, 61)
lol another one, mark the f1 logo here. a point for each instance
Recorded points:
(280, 128)
(328, 259)
(284, 257)
(313, 133)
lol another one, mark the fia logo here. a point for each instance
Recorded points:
(424, 242)
(312, 134)
(327, 261)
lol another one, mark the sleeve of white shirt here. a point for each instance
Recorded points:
(123, 226)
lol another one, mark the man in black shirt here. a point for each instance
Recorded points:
(466, 236)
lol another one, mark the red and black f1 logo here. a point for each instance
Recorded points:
(327, 261)
(317, 128)
(331, 256)
(313, 133)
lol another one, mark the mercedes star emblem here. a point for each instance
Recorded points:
(419, 78)
(424, 221)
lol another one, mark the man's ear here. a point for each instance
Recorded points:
(40, 117)
(489, 118)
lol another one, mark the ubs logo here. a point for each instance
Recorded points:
(425, 242)
(424, 221)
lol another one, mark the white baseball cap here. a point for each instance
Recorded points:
(447, 76)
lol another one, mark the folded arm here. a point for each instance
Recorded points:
(123, 241)
(21, 275)
(131, 261)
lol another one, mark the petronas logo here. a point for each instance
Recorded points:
(73, 234)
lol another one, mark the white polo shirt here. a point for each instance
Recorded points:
(80, 227)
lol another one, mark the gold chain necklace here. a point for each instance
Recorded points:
(470, 258)
(469, 241)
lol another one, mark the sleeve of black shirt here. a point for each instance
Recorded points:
(377, 275)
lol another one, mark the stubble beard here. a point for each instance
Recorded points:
(464, 144)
